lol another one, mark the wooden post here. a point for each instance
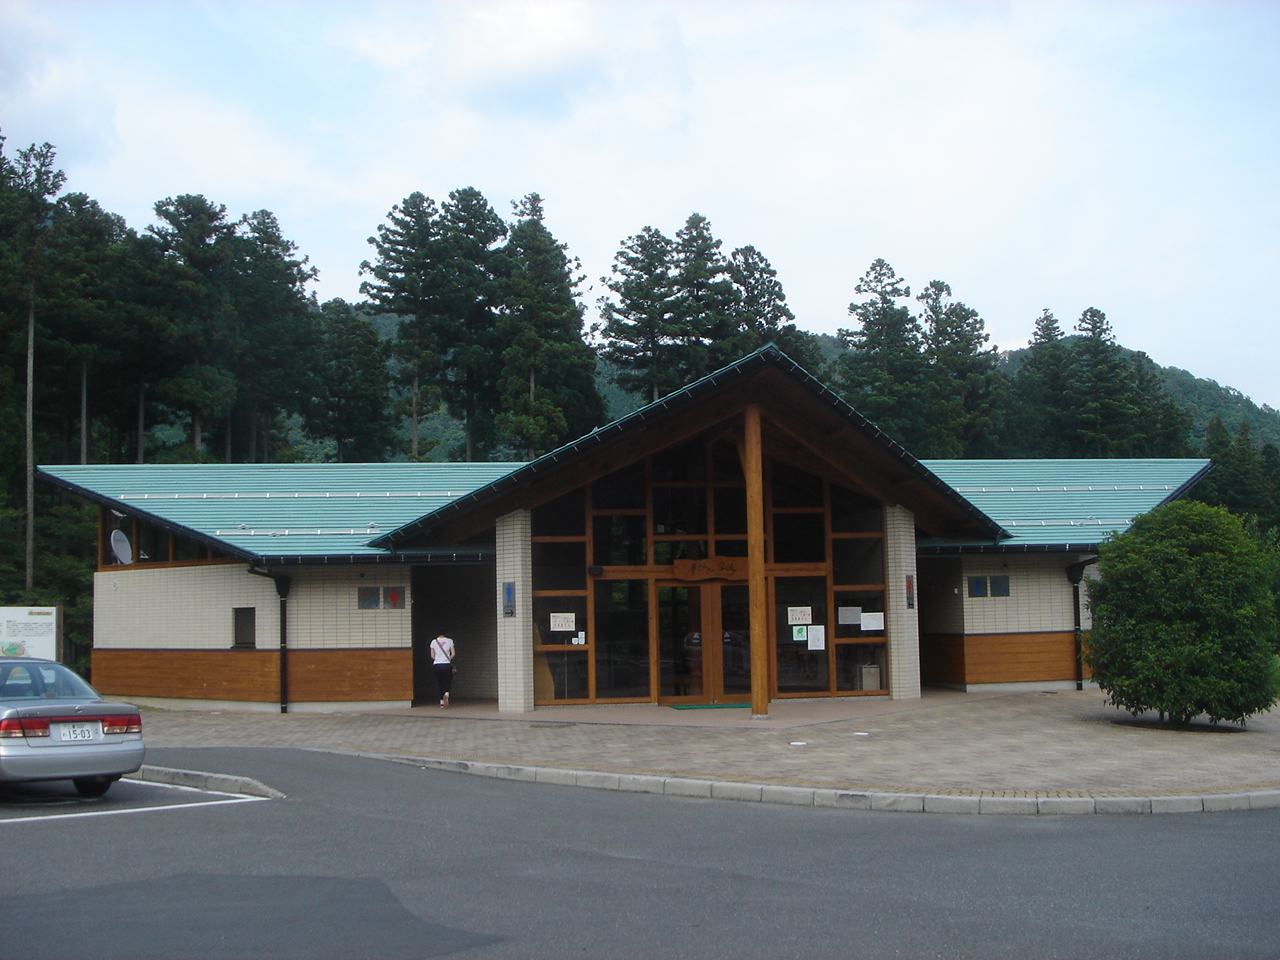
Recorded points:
(753, 469)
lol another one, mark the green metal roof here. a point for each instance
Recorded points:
(307, 513)
(687, 396)
(280, 512)
(1063, 504)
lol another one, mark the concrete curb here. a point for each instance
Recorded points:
(885, 801)
(895, 802)
(217, 782)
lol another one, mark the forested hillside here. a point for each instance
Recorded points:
(199, 338)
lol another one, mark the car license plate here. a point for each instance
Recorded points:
(77, 731)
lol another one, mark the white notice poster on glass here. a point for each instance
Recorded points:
(872, 621)
(564, 622)
(849, 615)
(799, 615)
(817, 637)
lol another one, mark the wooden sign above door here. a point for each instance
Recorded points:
(713, 568)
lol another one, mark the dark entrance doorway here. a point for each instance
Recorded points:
(456, 600)
(704, 643)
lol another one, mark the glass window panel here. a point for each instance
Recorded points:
(794, 488)
(245, 627)
(622, 638)
(731, 548)
(850, 607)
(185, 549)
(735, 649)
(623, 490)
(668, 551)
(563, 517)
(686, 462)
(679, 510)
(853, 513)
(567, 615)
(619, 541)
(800, 670)
(861, 666)
(725, 462)
(680, 641)
(858, 561)
(560, 675)
(559, 566)
(150, 543)
(731, 509)
(798, 538)
(1000, 586)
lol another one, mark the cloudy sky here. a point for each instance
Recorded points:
(1052, 154)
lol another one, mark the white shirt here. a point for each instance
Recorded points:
(442, 650)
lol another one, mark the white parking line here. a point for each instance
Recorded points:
(229, 799)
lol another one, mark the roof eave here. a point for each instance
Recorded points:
(749, 364)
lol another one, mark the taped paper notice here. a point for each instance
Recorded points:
(799, 615)
(564, 622)
(872, 621)
(817, 637)
(849, 615)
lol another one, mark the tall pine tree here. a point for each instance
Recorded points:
(547, 383)
(965, 385)
(406, 280)
(639, 328)
(764, 316)
(883, 373)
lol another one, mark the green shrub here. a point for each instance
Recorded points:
(1184, 617)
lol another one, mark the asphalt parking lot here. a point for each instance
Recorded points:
(58, 799)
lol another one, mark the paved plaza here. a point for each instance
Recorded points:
(947, 745)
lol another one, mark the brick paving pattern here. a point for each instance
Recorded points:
(1066, 744)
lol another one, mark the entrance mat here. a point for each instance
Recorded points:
(707, 706)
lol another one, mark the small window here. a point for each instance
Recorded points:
(246, 627)
(996, 586)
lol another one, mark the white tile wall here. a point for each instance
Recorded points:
(515, 634)
(901, 622)
(1039, 598)
(323, 613)
(190, 608)
(180, 607)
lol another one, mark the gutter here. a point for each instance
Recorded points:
(1075, 573)
(283, 584)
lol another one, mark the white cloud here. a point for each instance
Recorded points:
(1031, 154)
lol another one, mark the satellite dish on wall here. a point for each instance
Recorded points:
(120, 547)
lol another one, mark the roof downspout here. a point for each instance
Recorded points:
(1075, 573)
(282, 591)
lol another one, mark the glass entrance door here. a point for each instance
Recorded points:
(704, 643)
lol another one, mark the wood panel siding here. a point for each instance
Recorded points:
(315, 676)
(320, 675)
(998, 657)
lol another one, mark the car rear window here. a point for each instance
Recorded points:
(45, 681)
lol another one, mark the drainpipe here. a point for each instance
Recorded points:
(1075, 573)
(282, 591)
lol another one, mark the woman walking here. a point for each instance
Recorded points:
(442, 654)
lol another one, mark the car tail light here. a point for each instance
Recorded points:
(24, 727)
(125, 723)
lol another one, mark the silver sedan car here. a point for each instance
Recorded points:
(54, 726)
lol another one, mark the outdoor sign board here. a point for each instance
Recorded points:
(29, 632)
